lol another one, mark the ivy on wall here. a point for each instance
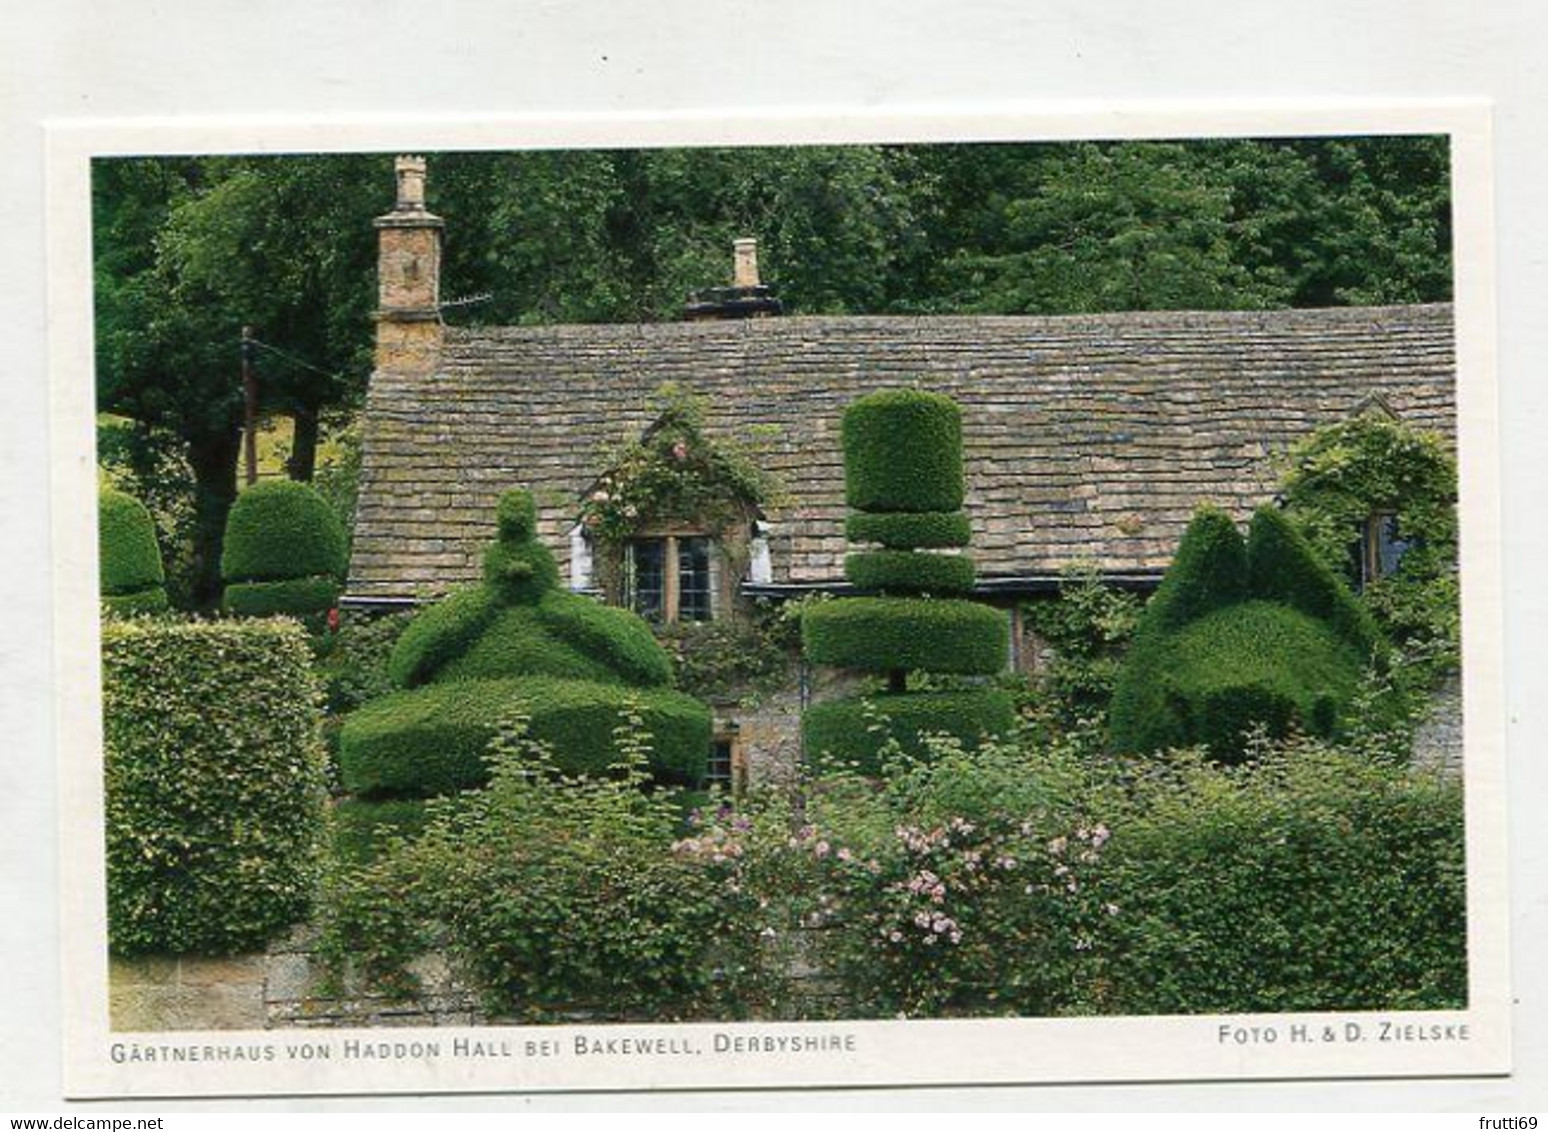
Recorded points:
(1342, 476)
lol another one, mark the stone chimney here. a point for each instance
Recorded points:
(408, 275)
(747, 297)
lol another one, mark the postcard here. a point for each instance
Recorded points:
(702, 602)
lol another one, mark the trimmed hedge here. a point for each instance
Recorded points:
(907, 571)
(1282, 566)
(433, 740)
(1314, 880)
(294, 596)
(1240, 635)
(849, 734)
(214, 780)
(615, 638)
(1208, 572)
(903, 452)
(520, 570)
(280, 529)
(439, 633)
(883, 634)
(130, 571)
(906, 530)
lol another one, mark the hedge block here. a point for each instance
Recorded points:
(849, 734)
(903, 452)
(131, 576)
(883, 634)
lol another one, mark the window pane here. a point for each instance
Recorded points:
(647, 577)
(719, 772)
(694, 594)
(1389, 547)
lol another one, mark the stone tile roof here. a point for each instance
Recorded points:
(1087, 438)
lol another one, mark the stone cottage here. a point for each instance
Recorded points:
(1087, 439)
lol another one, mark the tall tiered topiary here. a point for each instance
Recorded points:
(903, 480)
(284, 551)
(577, 669)
(1241, 635)
(129, 560)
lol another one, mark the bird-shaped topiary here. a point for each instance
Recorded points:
(573, 665)
(1238, 636)
(284, 551)
(903, 479)
(130, 571)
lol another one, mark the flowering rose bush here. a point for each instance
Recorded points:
(675, 473)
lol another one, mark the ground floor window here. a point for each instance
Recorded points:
(727, 767)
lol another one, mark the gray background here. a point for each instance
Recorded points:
(71, 58)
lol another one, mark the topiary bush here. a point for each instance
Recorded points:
(214, 778)
(129, 561)
(573, 665)
(850, 734)
(1241, 635)
(432, 740)
(284, 552)
(903, 476)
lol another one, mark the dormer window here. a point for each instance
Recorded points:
(671, 577)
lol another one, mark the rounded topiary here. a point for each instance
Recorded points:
(850, 733)
(906, 530)
(284, 551)
(1240, 635)
(910, 572)
(571, 664)
(434, 740)
(903, 475)
(881, 634)
(130, 571)
(903, 452)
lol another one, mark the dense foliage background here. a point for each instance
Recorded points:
(188, 250)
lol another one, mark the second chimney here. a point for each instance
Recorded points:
(747, 297)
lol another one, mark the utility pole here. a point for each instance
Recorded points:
(249, 407)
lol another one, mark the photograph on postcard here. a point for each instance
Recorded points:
(559, 591)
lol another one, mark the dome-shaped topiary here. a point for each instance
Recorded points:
(284, 551)
(130, 571)
(1241, 635)
(903, 475)
(575, 666)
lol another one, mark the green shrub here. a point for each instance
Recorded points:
(362, 831)
(616, 638)
(1210, 660)
(879, 634)
(131, 576)
(853, 733)
(520, 570)
(214, 783)
(905, 530)
(355, 666)
(729, 657)
(280, 529)
(294, 596)
(903, 452)
(432, 740)
(441, 632)
(561, 893)
(1309, 880)
(910, 572)
(1088, 626)
(1255, 663)
(1282, 567)
(1208, 572)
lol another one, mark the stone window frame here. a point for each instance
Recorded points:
(734, 779)
(1378, 542)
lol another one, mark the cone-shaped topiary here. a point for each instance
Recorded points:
(903, 476)
(1240, 635)
(284, 551)
(130, 571)
(572, 665)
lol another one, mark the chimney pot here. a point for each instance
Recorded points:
(411, 183)
(746, 262)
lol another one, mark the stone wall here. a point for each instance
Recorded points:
(286, 987)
